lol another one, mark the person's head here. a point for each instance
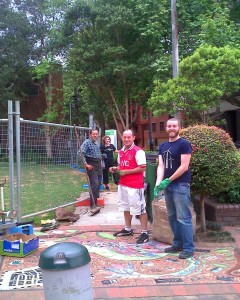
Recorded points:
(173, 129)
(128, 138)
(106, 140)
(94, 134)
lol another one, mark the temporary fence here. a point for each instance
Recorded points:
(40, 164)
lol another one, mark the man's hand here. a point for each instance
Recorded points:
(89, 167)
(164, 184)
(161, 186)
(113, 169)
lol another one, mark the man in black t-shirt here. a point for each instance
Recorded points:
(174, 177)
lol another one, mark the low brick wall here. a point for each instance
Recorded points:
(227, 214)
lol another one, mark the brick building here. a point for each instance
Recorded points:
(36, 104)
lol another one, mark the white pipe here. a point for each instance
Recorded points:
(2, 199)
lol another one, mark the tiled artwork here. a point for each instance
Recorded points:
(121, 262)
(20, 279)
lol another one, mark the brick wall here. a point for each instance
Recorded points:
(228, 214)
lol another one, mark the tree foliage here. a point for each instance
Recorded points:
(205, 78)
(113, 50)
(209, 72)
(109, 56)
(15, 47)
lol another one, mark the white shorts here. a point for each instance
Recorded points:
(132, 200)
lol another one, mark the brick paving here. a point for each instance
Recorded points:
(127, 276)
(135, 288)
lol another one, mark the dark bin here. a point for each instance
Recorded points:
(150, 178)
(66, 272)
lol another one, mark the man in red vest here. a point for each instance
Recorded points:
(131, 167)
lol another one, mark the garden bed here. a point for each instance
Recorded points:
(225, 213)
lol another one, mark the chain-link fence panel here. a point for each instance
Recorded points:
(4, 164)
(51, 169)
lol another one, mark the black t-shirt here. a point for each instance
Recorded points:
(108, 151)
(171, 153)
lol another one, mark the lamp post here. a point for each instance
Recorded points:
(175, 52)
(175, 56)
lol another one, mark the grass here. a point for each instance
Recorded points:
(44, 186)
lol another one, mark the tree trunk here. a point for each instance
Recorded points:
(49, 98)
(202, 214)
(48, 142)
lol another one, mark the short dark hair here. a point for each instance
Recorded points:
(91, 130)
(175, 120)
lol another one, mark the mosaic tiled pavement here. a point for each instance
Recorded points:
(121, 262)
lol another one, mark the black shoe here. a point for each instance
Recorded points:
(172, 249)
(123, 232)
(185, 254)
(143, 238)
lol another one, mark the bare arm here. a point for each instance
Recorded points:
(160, 170)
(138, 169)
(185, 161)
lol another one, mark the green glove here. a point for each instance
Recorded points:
(164, 184)
(155, 191)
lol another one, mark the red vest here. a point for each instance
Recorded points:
(127, 161)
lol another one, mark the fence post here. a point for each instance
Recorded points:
(11, 156)
(18, 159)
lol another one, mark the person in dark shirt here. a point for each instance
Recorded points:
(174, 177)
(92, 159)
(107, 150)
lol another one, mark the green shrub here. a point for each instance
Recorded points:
(215, 162)
(231, 195)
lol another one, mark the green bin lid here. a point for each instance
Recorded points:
(64, 256)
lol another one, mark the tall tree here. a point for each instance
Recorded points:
(45, 17)
(109, 56)
(15, 47)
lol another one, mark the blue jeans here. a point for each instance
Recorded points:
(177, 196)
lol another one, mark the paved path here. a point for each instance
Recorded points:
(123, 270)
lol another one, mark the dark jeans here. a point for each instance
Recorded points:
(108, 164)
(95, 177)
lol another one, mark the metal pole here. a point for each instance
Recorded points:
(175, 55)
(18, 158)
(11, 156)
(91, 123)
(175, 52)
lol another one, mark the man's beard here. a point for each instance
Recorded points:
(173, 134)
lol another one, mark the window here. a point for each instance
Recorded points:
(31, 89)
(144, 114)
(162, 127)
(153, 127)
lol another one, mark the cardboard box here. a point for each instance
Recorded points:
(18, 244)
